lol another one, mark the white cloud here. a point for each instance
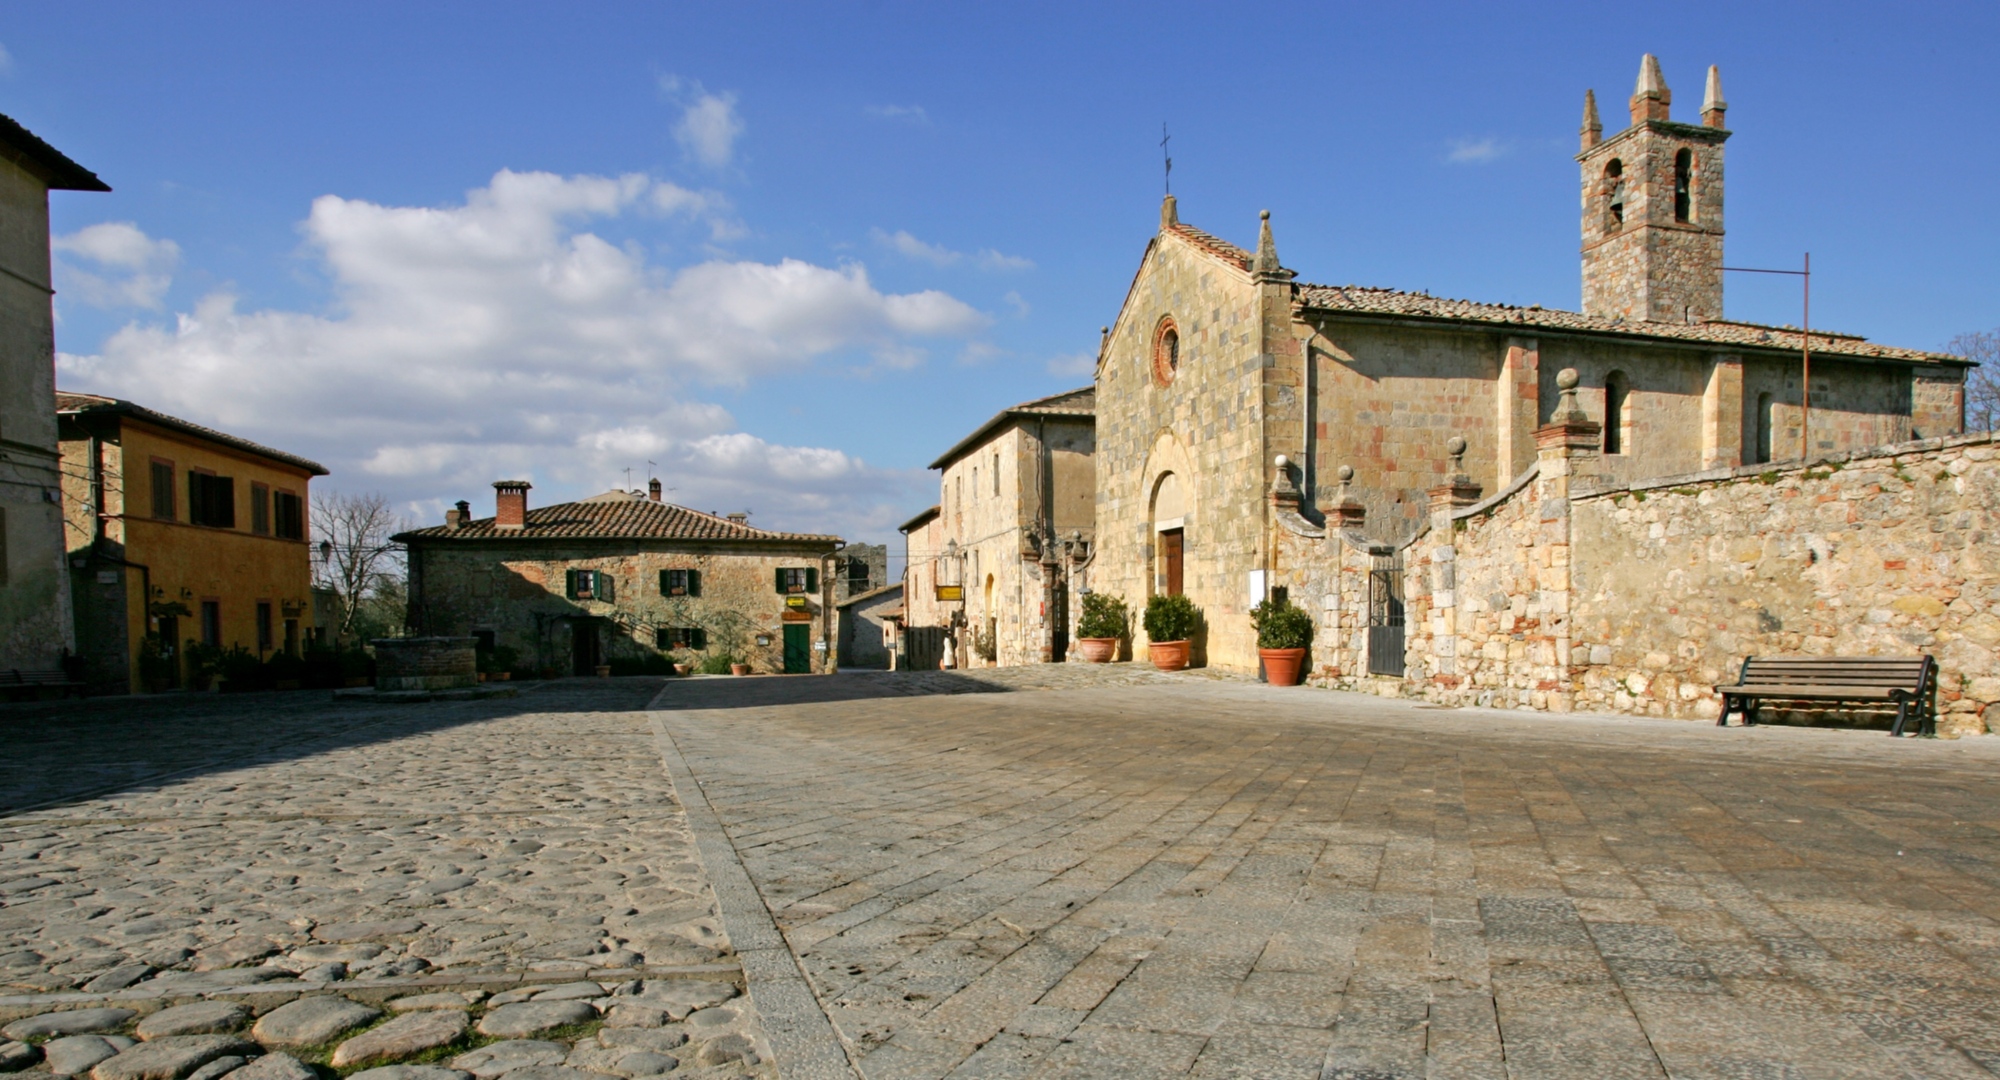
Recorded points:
(909, 246)
(903, 243)
(6, 61)
(709, 125)
(1476, 151)
(1020, 306)
(1080, 365)
(910, 114)
(131, 269)
(501, 337)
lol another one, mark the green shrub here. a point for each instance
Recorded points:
(1104, 616)
(716, 663)
(1171, 618)
(242, 670)
(1281, 626)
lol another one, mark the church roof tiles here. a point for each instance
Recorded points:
(628, 517)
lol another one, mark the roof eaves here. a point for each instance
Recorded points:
(111, 406)
(918, 521)
(60, 172)
(1001, 418)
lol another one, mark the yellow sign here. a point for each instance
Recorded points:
(795, 601)
(951, 592)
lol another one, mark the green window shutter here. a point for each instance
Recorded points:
(812, 579)
(569, 579)
(694, 582)
(781, 581)
(606, 587)
(666, 579)
(698, 638)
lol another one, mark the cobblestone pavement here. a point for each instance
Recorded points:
(1190, 876)
(499, 872)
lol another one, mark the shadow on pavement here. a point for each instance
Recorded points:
(61, 752)
(760, 691)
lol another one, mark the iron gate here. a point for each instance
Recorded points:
(1385, 616)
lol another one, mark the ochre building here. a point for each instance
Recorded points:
(571, 587)
(1221, 363)
(179, 534)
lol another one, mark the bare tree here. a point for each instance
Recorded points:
(358, 560)
(1982, 384)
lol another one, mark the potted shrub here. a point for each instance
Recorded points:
(1283, 634)
(1105, 622)
(985, 647)
(1171, 622)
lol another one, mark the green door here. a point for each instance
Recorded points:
(798, 648)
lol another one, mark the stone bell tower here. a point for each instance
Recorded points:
(1652, 207)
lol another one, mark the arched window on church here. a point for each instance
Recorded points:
(1617, 409)
(1684, 186)
(1614, 194)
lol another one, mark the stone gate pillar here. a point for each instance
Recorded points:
(1457, 492)
(1566, 447)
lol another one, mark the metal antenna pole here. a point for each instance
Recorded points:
(1805, 350)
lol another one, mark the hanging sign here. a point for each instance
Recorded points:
(951, 592)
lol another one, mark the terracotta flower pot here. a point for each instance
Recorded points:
(683, 669)
(604, 671)
(500, 676)
(1168, 655)
(1281, 666)
(739, 669)
(1097, 650)
(483, 676)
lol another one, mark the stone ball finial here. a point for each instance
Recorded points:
(1567, 378)
(1454, 446)
(1281, 461)
(1263, 215)
(1103, 329)
(1345, 473)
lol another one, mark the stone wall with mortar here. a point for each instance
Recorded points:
(519, 592)
(1568, 592)
(1893, 552)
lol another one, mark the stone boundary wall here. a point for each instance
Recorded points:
(1562, 593)
(425, 663)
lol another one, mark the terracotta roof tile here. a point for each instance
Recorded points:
(1082, 402)
(97, 404)
(1212, 244)
(1362, 300)
(601, 518)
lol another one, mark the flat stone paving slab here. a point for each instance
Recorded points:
(1199, 876)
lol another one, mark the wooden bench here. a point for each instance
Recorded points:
(13, 681)
(1910, 683)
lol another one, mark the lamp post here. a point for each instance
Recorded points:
(1805, 346)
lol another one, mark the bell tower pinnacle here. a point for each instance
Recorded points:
(1652, 208)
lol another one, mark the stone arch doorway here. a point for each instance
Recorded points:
(1169, 528)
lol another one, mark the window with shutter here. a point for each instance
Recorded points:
(784, 581)
(163, 489)
(289, 516)
(260, 509)
(604, 586)
(570, 583)
(694, 582)
(812, 579)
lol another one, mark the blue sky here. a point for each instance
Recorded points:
(790, 253)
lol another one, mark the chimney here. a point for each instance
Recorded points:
(740, 517)
(653, 489)
(1593, 128)
(1651, 100)
(456, 517)
(510, 499)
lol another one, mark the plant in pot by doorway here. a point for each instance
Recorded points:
(985, 647)
(1171, 623)
(1284, 634)
(1104, 623)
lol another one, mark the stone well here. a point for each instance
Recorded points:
(425, 663)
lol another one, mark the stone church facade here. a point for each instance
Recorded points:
(1225, 381)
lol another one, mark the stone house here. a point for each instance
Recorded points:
(1222, 366)
(37, 630)
(1013, 522)
(868, 626)
(573, 586)
(183, 534)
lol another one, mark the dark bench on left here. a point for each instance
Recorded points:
(16, 682)
(1907, 682)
